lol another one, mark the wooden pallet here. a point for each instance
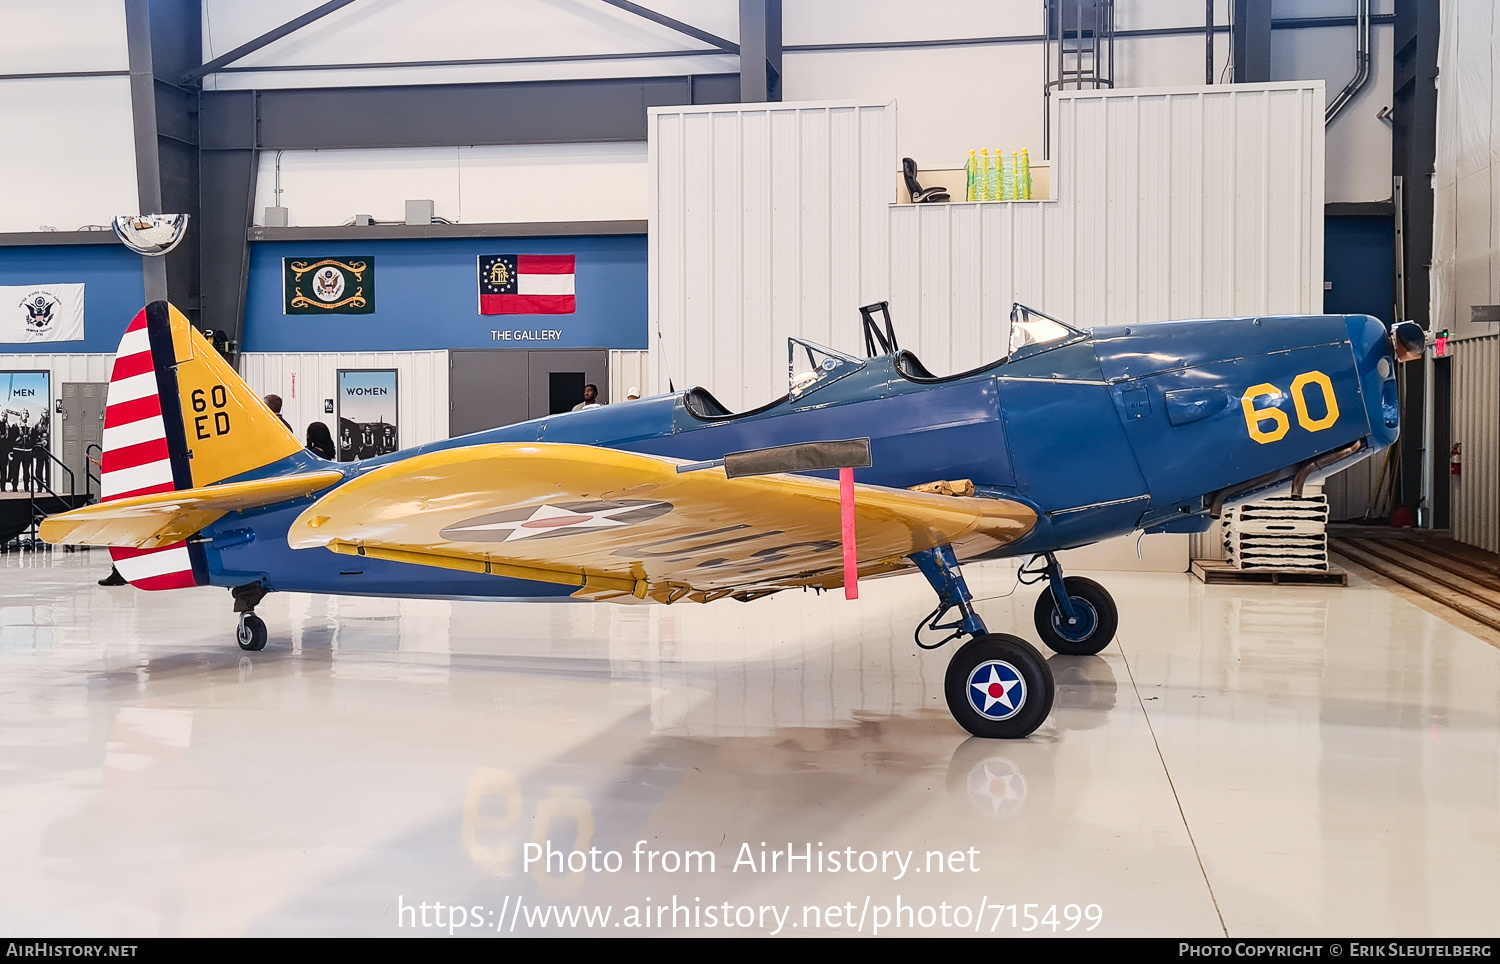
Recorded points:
(1214, 572)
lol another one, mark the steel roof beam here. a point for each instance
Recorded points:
(728, 46)
(269, 37)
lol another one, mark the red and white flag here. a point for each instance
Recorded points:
(526, 284)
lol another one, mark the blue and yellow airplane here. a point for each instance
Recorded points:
(1077, 435)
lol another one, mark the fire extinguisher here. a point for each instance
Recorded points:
(1455, 460)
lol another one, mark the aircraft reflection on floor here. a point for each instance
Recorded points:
(303, 790)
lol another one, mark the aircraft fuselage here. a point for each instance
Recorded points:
(1115, 430)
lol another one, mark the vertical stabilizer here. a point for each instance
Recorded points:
(178, 416)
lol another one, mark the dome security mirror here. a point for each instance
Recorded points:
(150, 234)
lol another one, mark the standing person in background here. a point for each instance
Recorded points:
(590, 398)
(41, 473)
(320, 441)
(20, 459)
(7, 444)
(273, 402)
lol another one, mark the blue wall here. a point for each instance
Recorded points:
(426, 296)
(114, 290)
(1359, 261)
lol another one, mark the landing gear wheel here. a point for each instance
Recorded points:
(999, 687)
(252, 632)
(1095, 623)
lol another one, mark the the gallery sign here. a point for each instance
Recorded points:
(322, 286)
(33, 313)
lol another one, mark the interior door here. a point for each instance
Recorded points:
(487, 388)
(558, 377)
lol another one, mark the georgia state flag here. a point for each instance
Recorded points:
(526, 284)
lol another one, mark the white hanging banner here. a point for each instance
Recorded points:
(33, 313)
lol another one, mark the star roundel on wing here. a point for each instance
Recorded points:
(996, 690)
(555, 519)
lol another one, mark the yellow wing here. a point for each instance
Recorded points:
(149, 521)
(621, 525)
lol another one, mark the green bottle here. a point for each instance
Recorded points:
(1024, 176)
(1008, 179)
(971, 170)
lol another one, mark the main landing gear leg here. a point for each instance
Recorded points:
(998, 686)
(1076, 616)
(252, 630)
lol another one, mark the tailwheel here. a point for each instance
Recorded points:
(252, 632)
(999, 687)
(1091, 626)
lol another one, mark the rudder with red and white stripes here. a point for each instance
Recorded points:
(137, 457)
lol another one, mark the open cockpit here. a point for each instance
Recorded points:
(812, 367)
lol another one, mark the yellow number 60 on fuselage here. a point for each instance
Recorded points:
(1255, 418)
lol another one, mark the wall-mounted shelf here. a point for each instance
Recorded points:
(19, 238)
(506, 229)
(954, 180)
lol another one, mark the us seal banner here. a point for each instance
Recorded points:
(33, 313)
(526, 284)
(328, 286)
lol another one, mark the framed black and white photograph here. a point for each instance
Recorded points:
(367, 413)
(25, 430)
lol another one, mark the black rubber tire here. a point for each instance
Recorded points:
(1007, 663)
(1100, 611)
(252, 633)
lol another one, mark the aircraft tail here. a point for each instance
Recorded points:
(178, 417)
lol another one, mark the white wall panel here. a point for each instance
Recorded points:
(1169, 204)
(304, 380)
(70, 154)
(628, 369)
(1466, 178)
(765, 222)
(62, 35)
(1359, 143)
(524, 182)
(1476, 428)
(64, 367)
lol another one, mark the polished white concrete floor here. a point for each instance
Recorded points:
(1243, 762)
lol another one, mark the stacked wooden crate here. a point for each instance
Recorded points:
(1279, 533)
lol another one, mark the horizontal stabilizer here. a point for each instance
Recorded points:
(163, 518)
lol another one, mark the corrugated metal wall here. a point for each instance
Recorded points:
(765, 222)
(1171, 204)
(1476, 427)
(628, 369)
(304, 380)
(91, 367)
(1174, 203)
